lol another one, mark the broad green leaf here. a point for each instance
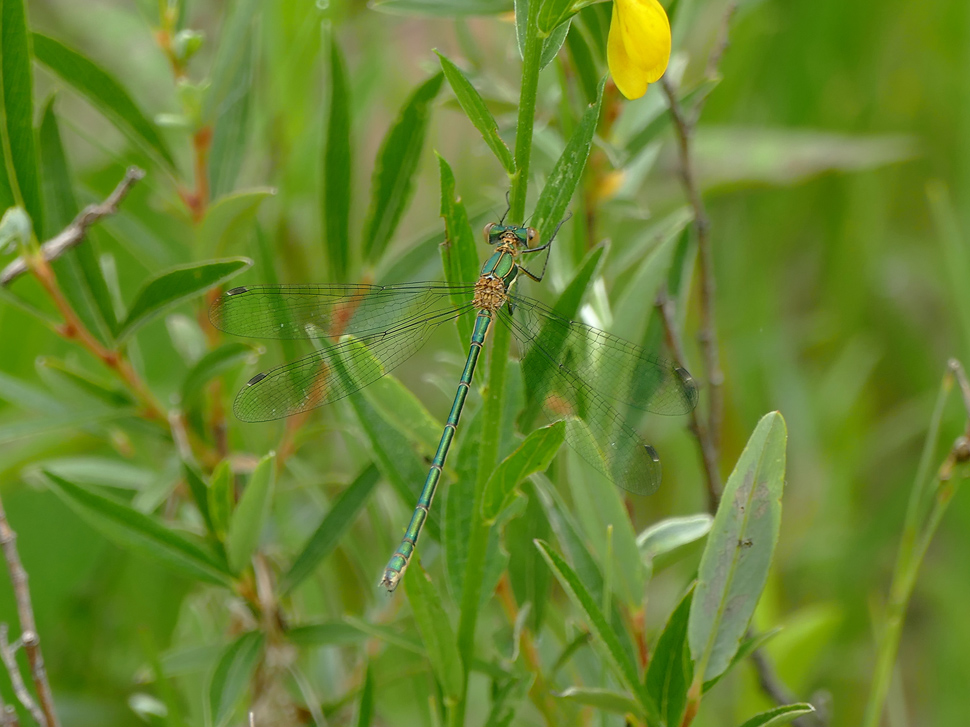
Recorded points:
(436, 630)
(177, 285)
(606, 638)
(780, 715)
(397, 161)
(104, 390)
(337, 168)
(608, 700)
(458, 256)
(77, 269)
(667, 535)
(442, 8)
(533, 455)
(221, 498)
(131, 528)
(565, 175)
(213, 364)
(103, 92)
(336, 522)
(22, 183)
(231, 120)
(474, 107)
(231, 676)
(739, 549)
(230, 217)
(670, 670)
(325, 633)
(249, 517)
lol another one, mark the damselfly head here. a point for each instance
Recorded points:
(496, 234)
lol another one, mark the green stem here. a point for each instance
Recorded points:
(494, 397)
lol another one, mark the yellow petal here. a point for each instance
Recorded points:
(626, 75)
(638, 47)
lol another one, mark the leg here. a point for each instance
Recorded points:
(538, 278)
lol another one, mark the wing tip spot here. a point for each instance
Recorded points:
(238, 290)
(256, 379)
(652, 453)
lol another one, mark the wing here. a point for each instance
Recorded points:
(317, 311)
(610, 365)
(335, 370)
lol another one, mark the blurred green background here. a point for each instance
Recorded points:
(836, 160)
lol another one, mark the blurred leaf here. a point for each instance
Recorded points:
(388, 636)
(20, 179)
(337, 168)
(103, 92)
(200, 494)
(533, 455)
(130, 528)
(228, 216)
(458, 256)
(565, 175)
(955, 251)
(249, 517)
(102, 471)
(104, 391)
(529, 576)
(27, 396)
(221, 498)
(177, 285)
(213, 364)
(669, 673)
(230, 679)
(442, 8)
(739, 549)
(365, 709)
(231, 118)
(618, 658)
(608, 700)
(394, 170)
(670, 534)
(337, 521)
(436, 631)
(659, 123)
(583, 61)
(326, 633)
(459, 499)
(780, 715)
(474, 107)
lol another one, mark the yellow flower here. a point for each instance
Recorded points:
(639, 45)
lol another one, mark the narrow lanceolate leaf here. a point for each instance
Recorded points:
(231, 121)
(474, 107)
(739, 549)
(22, 177)
(337, 164)
(552, 44)
(365, 709)
(608, 700)
(331, 529)
(670, 534)
(618, 658)
(105, 391)
(394, 171)
(200, 493)
(177, 285)
(230, 217)
(670, 670)
(221, 498)
(249, 517)
(568, 170)
(780, 715)
(443, 8)
(213, 364)
(103, 92)
(231, 677)
(130, 528)
(458, 255)
(533, 455)
(436, 631)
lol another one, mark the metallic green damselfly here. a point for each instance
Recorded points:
(569, 368)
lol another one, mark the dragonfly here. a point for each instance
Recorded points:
(597, 381)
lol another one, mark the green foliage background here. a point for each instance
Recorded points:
(836, 161)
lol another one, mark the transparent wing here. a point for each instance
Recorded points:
(595, 429)
(317, 311)
(336, 370)
(614, 367)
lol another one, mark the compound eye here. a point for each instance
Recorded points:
(533, 234)
(488, 231)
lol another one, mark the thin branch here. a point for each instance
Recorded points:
(43, 715)
(74, 233)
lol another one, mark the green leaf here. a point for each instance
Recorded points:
(22, 179)
(552, 44)
(231, 676)
(103, 92)
(231, 50)
(325, 633)
(221, 498)
(365, 710)
(533, 455)
(230, 217)
(442, 8)
(397, 161)
(606, 638)
(436, 631)
(231, 119)
(213, 364)
(780, 715)
(554, 13)
(659, 123)
(458, 256)
(200, 494)
(670, 670)
(337, 168)
(474, 107)
(608, 700)
(249, 517)
(584, 61)
(748, 647)
(177, 285)
(568, 170)
(459, 499)
(103, 390)
(398, 405)
(129, 528)
(326, 537)
(739, 549)
(667, 535)
(529, 576)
